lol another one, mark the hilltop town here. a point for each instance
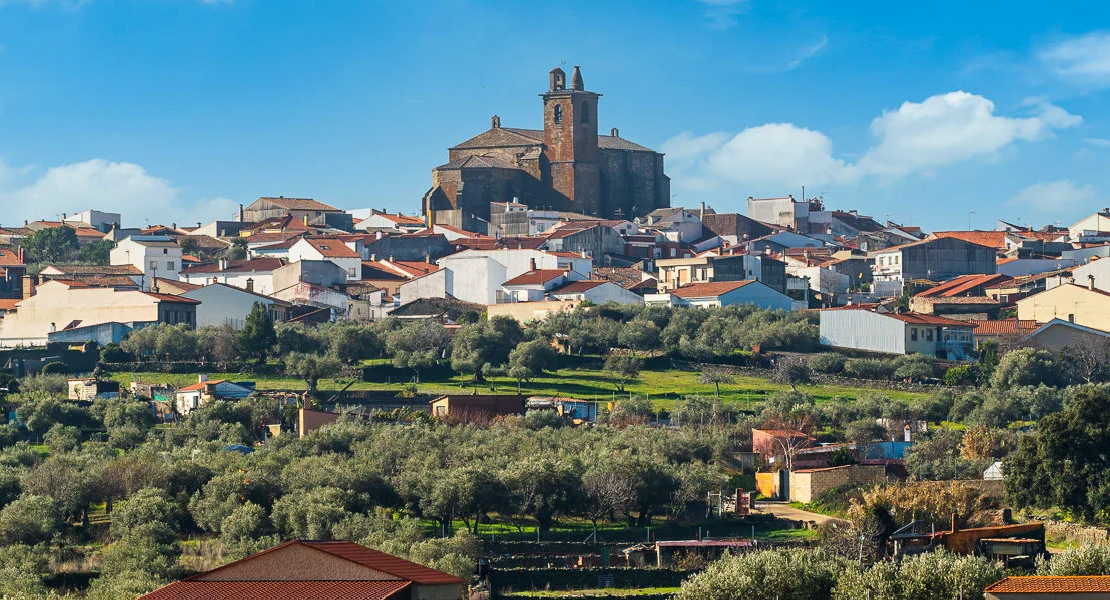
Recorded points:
(544, 378)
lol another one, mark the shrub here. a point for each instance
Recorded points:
(827, 362)
(961, 375)
(870, 368)
(56, 368)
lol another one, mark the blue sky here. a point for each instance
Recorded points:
(177, 110)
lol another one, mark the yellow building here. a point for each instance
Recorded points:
(1087, 306)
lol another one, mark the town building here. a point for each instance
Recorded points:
(255, 274)
(595, 291)
(566, 166)
(677, 272)
(304, 570)
(154, 255)
(860, 328)
(1058, 334)
(194, 396)
(329, 249)
(477, 407)
(98, 314)
(1082, 305)
(304, 210)
(936, 259)
(722, 293)
(222, 304)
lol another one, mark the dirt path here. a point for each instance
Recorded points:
(785, 511)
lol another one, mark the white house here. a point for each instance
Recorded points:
(330, 249)
(597, 291)
(823, 280)
(222, 304)
(194, 396)
(100, 221)
(381, 220)
(518, 261)
(155, 255)
(255, 274)
(1096, 226)
(471, 278)
(722, 293)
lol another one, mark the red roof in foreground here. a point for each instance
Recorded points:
(381, 561)
(1081, 584)
(964, 283)
(283, 590)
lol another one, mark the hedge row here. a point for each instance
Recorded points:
(584, 578)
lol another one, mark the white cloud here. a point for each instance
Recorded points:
(109, 186)
(1100, 142)
(1084, 60)
(808, 53)
(723, 13)
(1054, 197)
(915, 138)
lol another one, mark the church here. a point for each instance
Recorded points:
(566, 166)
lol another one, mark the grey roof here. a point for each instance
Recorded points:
(478, 162)
(612, 142)
(512, 136)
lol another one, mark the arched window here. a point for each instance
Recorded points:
(585, 112)
(557, 114)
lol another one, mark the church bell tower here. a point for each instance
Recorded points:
(570, 142)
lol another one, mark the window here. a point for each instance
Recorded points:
(351, 272)
(165, 250)
(557, 114)
(153, 264)
(1071, 318)
(169, 264)
(913, 334)
(585, 113)
(928, 335)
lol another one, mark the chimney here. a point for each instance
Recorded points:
(223, 233)
(701, 213)
(21, 255)
(202, 378)
(30, 282)
(495, 122)
(373, 258)
(223, 264)
(250, 288)
(955, 527)
(198, 224)
(906, 435)
(615, 132)
(1091, 282)
(531, 264)
(173, 225)
(305, 220)
(240, 212)
(63, 216)
(583, 254)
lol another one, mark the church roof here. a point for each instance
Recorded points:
(477, 162)
(512, 136)
(502, 137)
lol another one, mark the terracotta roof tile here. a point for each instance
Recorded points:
(381, 561)
(332, 248)
(1040, 584)
(964, 283)
(200, 385)
(577, 287)
(709, 289)
(238, 266)
(536, 277)
(1004, 326)
(9, 259)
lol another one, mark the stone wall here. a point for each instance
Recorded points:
(807, 485)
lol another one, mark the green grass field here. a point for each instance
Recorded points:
(662, 387)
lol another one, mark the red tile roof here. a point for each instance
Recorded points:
(10, 259)
(709, 289)
(200, 385)
(920, 319)
(280, 590)
(171, 298)
(994, 239)
(9, 303)
(1040, 584)
(380, 561)
(577, 287)
(332, 248)
(1004, 326)
(964, 283)
(536, 277)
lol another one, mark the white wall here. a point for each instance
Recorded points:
(516, 262)
(166, 259)
(606, 292)
(433, 285)
(1099, 268)
(1033, 266)
(823, 280)
(221, 305)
